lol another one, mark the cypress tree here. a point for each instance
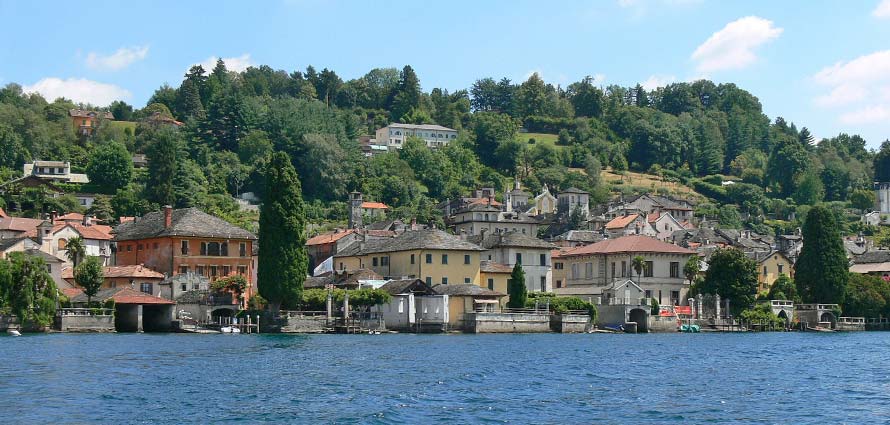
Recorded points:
(516, 288)
(283, 262)
(821, 272)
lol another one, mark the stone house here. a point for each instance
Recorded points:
(476, 218)
(510, 248)
(431, 255)
(626, 225)
(571, 199)
(590, 269)
(137, 277)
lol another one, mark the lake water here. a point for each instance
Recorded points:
(548, 378)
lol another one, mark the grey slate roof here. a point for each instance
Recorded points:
(581, 236)
(877, 256)
(574, 190)
(466, 290)
(196, 296)
(190, 222)
(404, 286)
(7, 243)
(509, 239)
(408, 241)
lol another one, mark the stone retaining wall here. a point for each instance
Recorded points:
(303, 324)
(569, 323)
(507, 322)
(84, 323)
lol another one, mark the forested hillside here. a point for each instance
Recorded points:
(696, 134)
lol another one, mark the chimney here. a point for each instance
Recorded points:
(413, 223)
(87, 220)
(52, 216)
(168, 216)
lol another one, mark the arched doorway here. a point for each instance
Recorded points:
(641, 318)
(828, 317)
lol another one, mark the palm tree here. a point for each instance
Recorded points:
(638, 263)
(75, 250)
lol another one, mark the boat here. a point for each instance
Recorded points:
(690, 328)
(14, 332)
(226, 329)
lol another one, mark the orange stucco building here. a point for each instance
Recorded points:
(187, 240)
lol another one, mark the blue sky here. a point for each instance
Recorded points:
(822, 64)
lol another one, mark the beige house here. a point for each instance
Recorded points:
(588, 270)
(430, 255)
(479, 218)
(770, 267)
(510, 248)
(395, 135)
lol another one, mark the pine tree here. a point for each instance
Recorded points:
(406, 95)
(164, 166)
(821, 272)
(516, 287)
(283, 262)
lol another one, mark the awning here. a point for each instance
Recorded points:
(485, 301)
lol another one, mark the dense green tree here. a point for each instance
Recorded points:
(732, 275)
(809, 190)
(822, 267)
(531, 97)
(27, 289)
(516, 287)
(164, 166)
(783, 288)
(89, 275)
(692, 268)
(110, 167)
(586, 98)
(283, 262)
(121, 110)
(787, 163)
(407, 94)
(866, 296)
(227, 120)
(863, 200)
(882, 162)
(490, 130)
(729, 217)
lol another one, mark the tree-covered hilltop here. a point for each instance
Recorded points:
(696, 134)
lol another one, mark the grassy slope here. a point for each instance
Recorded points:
(539, 138)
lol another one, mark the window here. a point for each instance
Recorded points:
(226, 270)
(647, 269)
(129, 248)
(203, 248)
(648, 293)
(145, 287)
(183, 269)
(543, 259)
(213, 249)
(781, 266)
(184, 287)
(63, 243)
(624, 269)
(412, 258)
(155, 246)
(212, 271)
(384, 261)
(491, 284)
(543, 284)
(466, 280)
(613, 270)
(224, 249)
(444, 258)
(764, 270)
(588, 270)
(139, 247)
(429, 258)
(444, 280)
(518, 258)
(184, 247)
(242, 270)
(199, 270)
(467, 259)
(429, 280)
(559, 283)
(574, 271)
(675, 269)
(558, 266)
(242, 249)
(374, 262)
(675, 297)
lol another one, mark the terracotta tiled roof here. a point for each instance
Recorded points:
(492, 267)
(375, 205)
(19, 224)
(124, 295)
(621, 222)
(71, 217)
(652, 217)
(72, 292)
(109, 272)
(326, 238)
(628, 244)
(485, 201)
(95, 231)
(3, 213)
(126, 219)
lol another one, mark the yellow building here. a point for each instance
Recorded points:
(770, 267)
(430, 255)
(464, 299)
(495, 277)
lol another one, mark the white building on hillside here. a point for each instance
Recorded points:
(395, 135)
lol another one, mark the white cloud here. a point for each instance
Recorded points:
(237, 63)
(78, 90)
(118, 60)
(864, 69)
(882, 11)
(733, 46)
(656, 81)
(868, 115)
